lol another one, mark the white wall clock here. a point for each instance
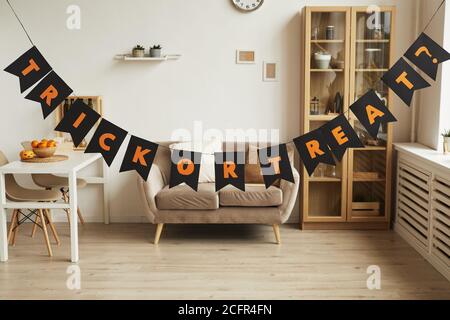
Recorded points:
(247, 5)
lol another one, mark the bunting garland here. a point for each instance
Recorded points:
(322, 145)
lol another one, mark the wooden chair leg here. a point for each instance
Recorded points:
(12, 224)
(52, 226)
(276, 231)
(159, 228)
(16, 228)
(33, 230)
(80, 216)
(44, 228)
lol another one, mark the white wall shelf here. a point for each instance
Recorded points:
(129, 57)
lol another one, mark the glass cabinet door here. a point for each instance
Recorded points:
(368, 194)
(327, 64)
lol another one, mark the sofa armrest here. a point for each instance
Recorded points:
(149, 190)
(290, 192)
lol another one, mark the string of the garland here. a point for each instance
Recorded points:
(206, 153)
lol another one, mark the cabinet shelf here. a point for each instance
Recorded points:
(324, 179)
(322, 117)
(327, 70)
(372, 41)
(327, 41)
(370, 148)
(372, 70)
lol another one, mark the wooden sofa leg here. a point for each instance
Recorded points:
(159, 228)
(276, 231)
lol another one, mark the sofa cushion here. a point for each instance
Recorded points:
(254, 196)
(182, 197)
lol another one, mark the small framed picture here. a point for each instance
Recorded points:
(270, 71)
(245, 57)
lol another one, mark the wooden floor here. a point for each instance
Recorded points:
(220, 262)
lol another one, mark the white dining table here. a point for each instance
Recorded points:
(70, 167)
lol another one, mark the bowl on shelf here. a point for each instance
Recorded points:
(45, 152)
(322, 60)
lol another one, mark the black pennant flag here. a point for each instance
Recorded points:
(339, 135)
(313, 149)
(427, 55)
(30, 67)
(404, 80)
(275, 164)
(50, 92)
(107, 140)
(230, 169)
(185, 168)
(372, 112)
(139, 156)
(78, 121)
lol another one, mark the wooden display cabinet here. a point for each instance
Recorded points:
(357, 193)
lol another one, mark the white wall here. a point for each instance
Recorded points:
(152, 100)
(429, 114)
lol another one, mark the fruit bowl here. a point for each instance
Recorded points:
(44, 152)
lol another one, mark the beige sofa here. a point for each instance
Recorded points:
(182, 205)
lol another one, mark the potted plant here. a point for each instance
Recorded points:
(155, 51)
(446, 136)
(138, 51)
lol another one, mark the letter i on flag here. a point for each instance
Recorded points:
(275, 164)
(139, 156)
(107, 140)
(30, 67)
(185, 168)
(313, 149)
(230, 169)
(404, 80)
(426, 54)
(78, 121)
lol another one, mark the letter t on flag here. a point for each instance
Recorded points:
(30, 67)
(404, 80)
(139, 156)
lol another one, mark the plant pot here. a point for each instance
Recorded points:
(322, 60)
(155, 53)
(138, 53)
(446, 145)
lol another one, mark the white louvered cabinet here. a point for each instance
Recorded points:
(422, 214)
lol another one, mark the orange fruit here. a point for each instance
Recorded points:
(51, 144)
(42, 145)
(34, 143)
(44, 141)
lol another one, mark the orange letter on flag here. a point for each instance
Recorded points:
(139, 156)
(339, 135)
(313, 147)
(229, 168)
(373, 113)
(31, 67)
(185, 171)
(402, 78)
(49, 94)
(275, 162)
(103, 138)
